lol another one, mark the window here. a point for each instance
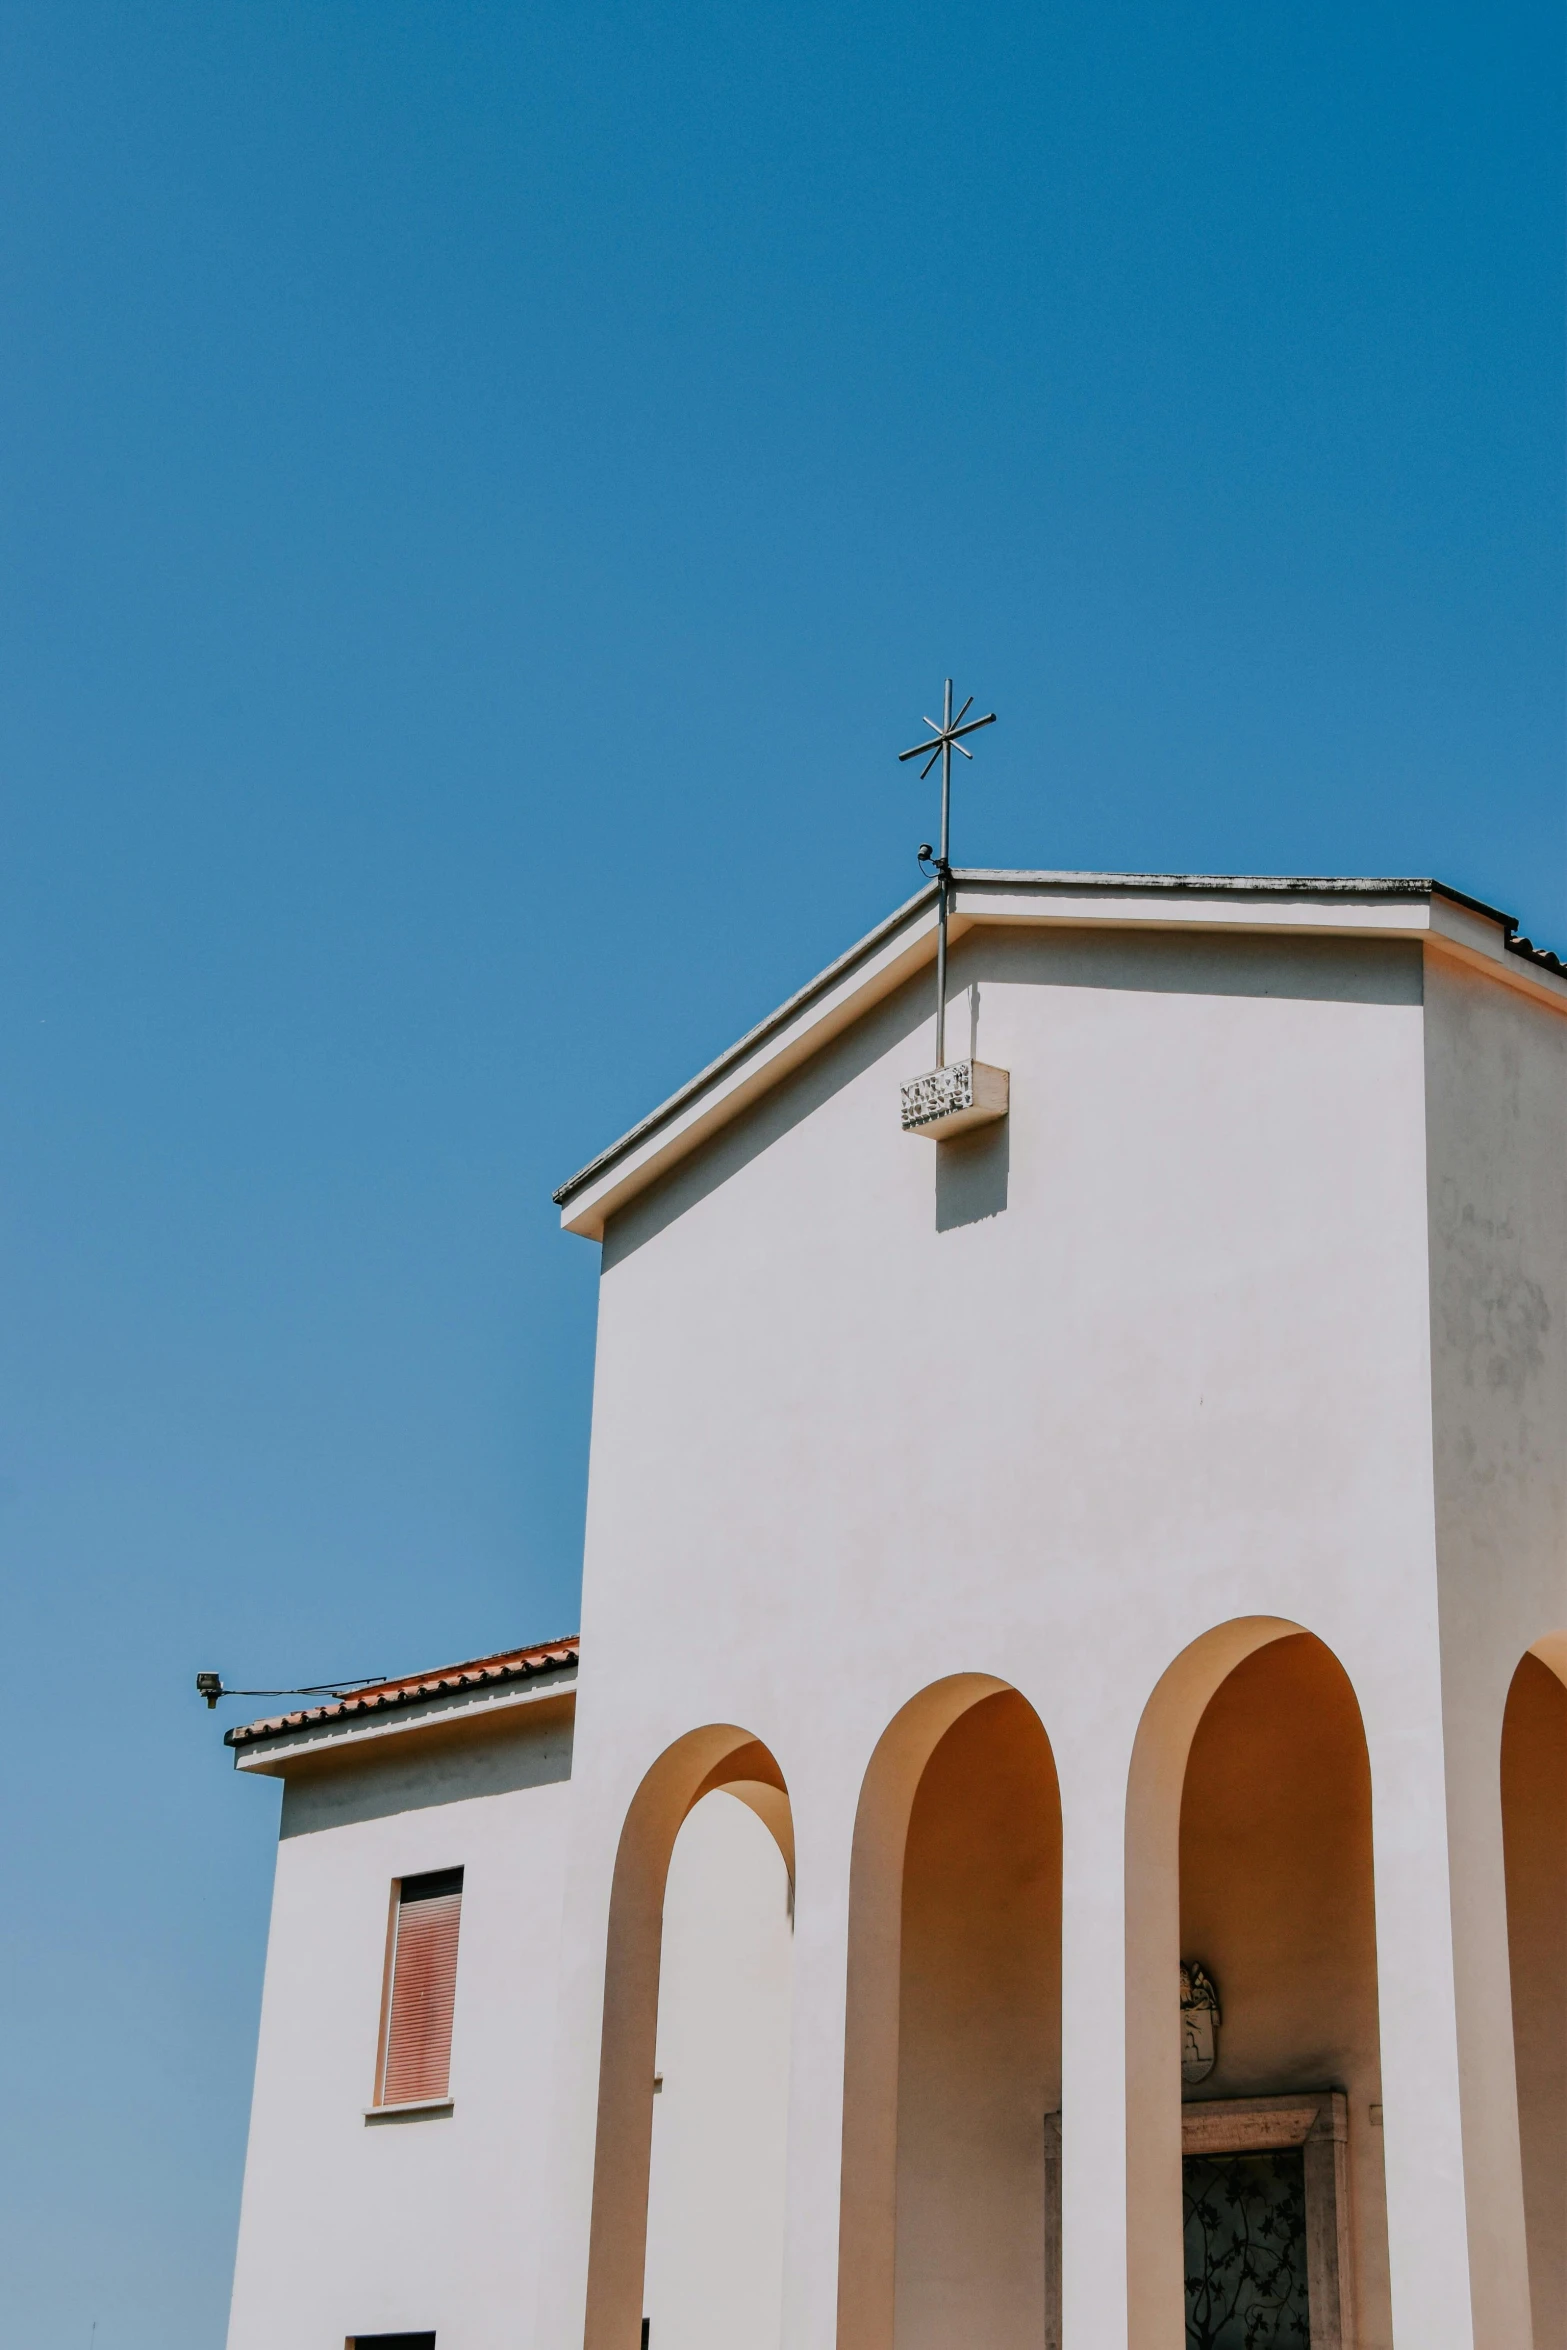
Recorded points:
(416, 2030)
(390, 2342)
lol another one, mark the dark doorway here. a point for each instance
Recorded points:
(1246, 2251)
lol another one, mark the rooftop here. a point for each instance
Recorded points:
(1310, 904)
(480, 1676)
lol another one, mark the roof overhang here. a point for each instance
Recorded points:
(294, 1749)
(460, 1711)
(902, 945)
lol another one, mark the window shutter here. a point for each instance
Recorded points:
(417, 2064)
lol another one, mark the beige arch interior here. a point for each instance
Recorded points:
(1249, 1831)
(1278, 1899)
(903, 2191)
(1534, 1846)
(720, 1755)
(1156, 2275)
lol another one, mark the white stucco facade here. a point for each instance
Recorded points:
(360, 2221)
(1247, 1326)
(355, 2225)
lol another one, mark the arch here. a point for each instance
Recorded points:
(1534, 1851)
(1155, 2282)
(713, 2271)
(1249, 1832)
(717, 1755)
(932, 1933)
(1551, 1649)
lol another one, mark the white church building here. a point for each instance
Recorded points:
(1060, 1838)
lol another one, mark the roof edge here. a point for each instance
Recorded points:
(545, 1657)
(737, 1051)
(1258, 885)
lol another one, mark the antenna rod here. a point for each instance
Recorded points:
(942, 871)
(944, 740)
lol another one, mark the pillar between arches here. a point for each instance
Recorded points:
(1093, 2049)
(1492, 2155)
(824, 1827)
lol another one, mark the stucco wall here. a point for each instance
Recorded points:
(1048, 1406)
(348, 2227)
(1497, 1093)
(1278, 1902)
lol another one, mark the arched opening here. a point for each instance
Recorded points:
(1534, 1843)
(688, 2209)
(716, 2188)
(952, 2069)
(1285, 2230)
(979, 2037)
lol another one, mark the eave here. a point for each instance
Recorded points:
(456, 1698)
(1313, 905)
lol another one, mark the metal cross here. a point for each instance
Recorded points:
(946, 738)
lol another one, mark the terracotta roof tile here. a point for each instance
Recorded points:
(484, 1672)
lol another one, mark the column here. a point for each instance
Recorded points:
(824, 1831)
(1422, 2136)
(1482, 1988)
(1093, 2054)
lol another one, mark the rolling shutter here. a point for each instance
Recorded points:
(417, 2064)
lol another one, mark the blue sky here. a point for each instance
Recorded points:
(486, 492)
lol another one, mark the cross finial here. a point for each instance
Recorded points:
(945, 739)
(948, 736)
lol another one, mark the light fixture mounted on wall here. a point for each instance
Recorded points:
(210, 1686)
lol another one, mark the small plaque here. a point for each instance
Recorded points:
(952, 1100)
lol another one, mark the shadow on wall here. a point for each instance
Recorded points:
(450, 1766)
(971, 1176)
